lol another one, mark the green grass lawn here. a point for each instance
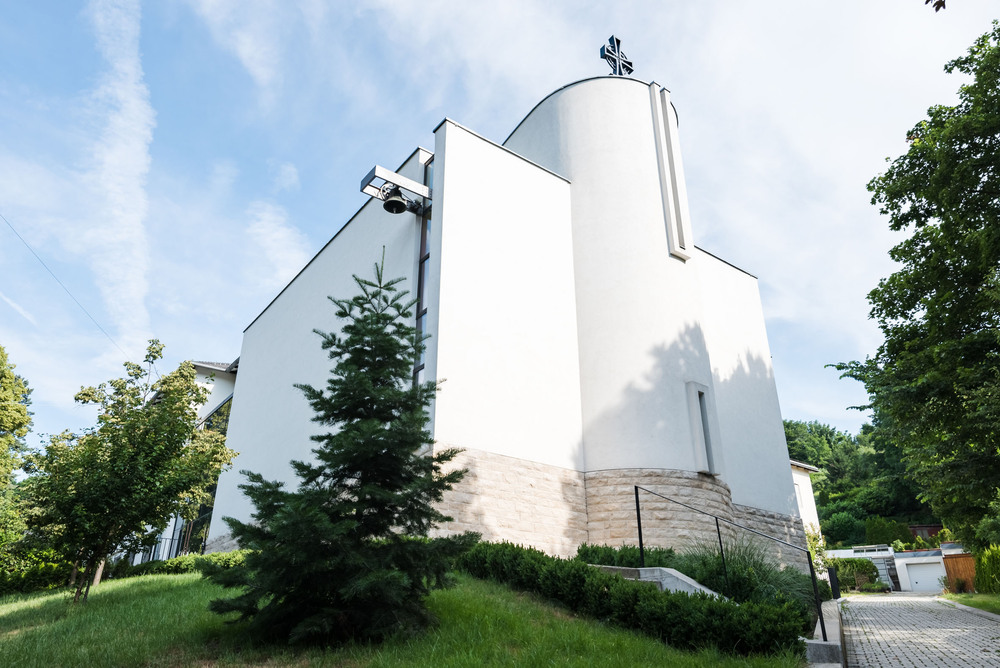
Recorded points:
(987, 602)
(162, 621)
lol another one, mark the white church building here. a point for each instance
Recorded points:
(584, 343)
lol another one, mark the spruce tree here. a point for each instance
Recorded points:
(345, 556)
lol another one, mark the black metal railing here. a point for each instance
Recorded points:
(722, 553)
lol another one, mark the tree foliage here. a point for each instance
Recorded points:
(344, 556)
(861, 477)
(935, 381)
(116, 486)
(15, 421)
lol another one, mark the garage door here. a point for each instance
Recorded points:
(924, 577)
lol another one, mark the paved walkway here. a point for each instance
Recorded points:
(914, 631)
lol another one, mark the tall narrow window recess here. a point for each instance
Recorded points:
(676, 215)
(704, 428)
(423, 266)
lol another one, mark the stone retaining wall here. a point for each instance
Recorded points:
(611, 516)
(779, 525)
(505, 498)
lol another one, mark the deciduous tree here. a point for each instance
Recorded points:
(116, 486)
(15, 421)
(935, 381)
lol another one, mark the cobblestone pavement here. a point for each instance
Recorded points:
(914, 631)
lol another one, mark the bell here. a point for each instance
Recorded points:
(395, 202)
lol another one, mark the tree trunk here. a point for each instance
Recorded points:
(81, 581)
(98, 568)
(187, 537)
(99, 572)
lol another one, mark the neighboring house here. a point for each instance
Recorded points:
(584, 344)
(804, 497)
(914, 570)
(181, 536)
(920, 570)
(880, 555)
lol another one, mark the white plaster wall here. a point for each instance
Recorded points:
(651, 324)
(639, 314)
(505, 322)
(756, 455)
(270, 423)
(805, 499)
(220, 387)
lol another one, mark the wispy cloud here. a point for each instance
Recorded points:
(19, 309)
(250, 31)
(276, 243)
(116, 243)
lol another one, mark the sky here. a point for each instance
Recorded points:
(175, 163)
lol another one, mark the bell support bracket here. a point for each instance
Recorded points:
(370, 188)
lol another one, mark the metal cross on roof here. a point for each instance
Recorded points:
(620, 66)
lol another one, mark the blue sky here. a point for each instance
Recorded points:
(175, 163)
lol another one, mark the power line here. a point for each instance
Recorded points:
(63, 286)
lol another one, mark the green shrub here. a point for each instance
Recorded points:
(565, 580)
(831, 508)
(752, 575)
(880, 531)
(988, 570)
(187, 563)
(626, 556)
(224, 559)
(848, 568)
(41, 576)
(825, 592)
(877, 586)
(843, 528)
(680, 619)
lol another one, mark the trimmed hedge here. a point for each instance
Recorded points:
(681, 620)
(51, 575)
(188, 563)
(751, 573)
(988, 570)
(626, 556)
(36, 578)
(847, 568)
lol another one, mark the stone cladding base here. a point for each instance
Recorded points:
(505, 498)
(785, 527)
(556, 509)
(611, 518)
